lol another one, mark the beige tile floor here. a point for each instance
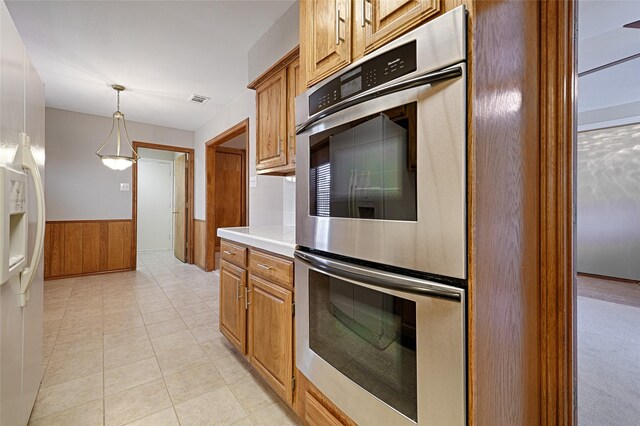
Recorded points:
(143, 348)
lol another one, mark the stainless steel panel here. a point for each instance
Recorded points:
(436, 243)
(608, 210)
(441, 368)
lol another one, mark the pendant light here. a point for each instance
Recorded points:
(117, 161)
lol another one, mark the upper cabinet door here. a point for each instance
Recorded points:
(271, 116)
(387, 19)
(327, 37)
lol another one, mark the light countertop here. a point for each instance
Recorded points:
(276, 238)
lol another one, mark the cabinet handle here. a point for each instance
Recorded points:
(292, 156)
(229, 253)
(338, 20)
(263, 266)
(238, 294)
(246, 298)
(279, 145)
(364, 15)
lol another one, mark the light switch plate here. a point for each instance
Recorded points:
(253, 181)
(124, 187)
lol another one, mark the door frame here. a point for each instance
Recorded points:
(190, 195)
(210, 167)
(558, 133)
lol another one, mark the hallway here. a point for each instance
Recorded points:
(144, 348)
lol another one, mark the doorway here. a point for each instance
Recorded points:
(227, 192)
(155, 201)
(162, 201)
(607, 145)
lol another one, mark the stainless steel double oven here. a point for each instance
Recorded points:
(381, 264)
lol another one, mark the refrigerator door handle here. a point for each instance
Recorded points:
(29, 163)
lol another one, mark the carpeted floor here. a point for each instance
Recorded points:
(608, 358)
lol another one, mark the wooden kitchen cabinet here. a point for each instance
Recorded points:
(316, 409)
(233, 318)
(329, 40)
(276, 91)
(271, 118)
(256, 312)
(327, 36)
(295, 87)
(385, 20)
(270, 338)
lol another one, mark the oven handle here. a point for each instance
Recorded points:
(379, 279)
(418, 81)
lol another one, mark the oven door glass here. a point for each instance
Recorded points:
(368, 336)
(366, 169)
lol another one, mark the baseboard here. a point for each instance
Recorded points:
(608, 278)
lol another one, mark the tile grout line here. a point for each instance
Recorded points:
(53, 347)
(104, 397)
(76, 286)
(173, 406)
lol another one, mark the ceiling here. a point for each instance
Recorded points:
(612, 93)
(162, 51)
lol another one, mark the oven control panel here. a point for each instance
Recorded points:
(372, 73)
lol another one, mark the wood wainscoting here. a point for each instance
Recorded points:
(200, 235)
(86, 247)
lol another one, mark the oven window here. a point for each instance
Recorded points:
(368, 336)
(366, 169)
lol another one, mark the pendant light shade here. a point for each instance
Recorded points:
(117, 161)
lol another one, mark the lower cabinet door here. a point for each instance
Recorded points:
(270, 334)
(233, 316)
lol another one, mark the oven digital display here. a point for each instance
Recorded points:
(351, 87)
(375, 72)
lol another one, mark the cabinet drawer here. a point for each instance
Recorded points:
(316, 414)
(271, 267)
(233, 253)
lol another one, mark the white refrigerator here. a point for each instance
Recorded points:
(22, 233)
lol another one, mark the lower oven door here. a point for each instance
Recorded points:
(385, 348)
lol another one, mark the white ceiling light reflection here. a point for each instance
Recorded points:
(500, 104)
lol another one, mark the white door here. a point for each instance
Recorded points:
(155, 199)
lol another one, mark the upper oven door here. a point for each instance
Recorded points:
(384, 179)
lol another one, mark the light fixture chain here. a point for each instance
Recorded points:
(118, 106)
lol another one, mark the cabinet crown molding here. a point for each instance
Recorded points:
(281, 64)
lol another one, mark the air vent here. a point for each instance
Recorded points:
(198, 99)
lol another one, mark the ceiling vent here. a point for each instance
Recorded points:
(198, 99)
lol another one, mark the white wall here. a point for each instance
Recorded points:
(155, 204)
(288, 203)
(279, 40)
(79, 186)
(269, 203)
(158, 154)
